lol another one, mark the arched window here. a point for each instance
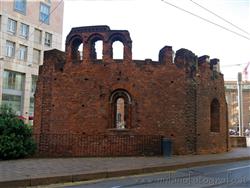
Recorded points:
(96, 46)
(97, 50)
(80, 52)
(77, 50)
(120, 101)
(120, 109)
(215, 116)
(118, 50)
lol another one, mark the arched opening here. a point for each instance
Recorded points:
(215, 116)
(80, 51)
(120, 102)
(96, 50)
(119, 114)
(117, 50)
(77, 50)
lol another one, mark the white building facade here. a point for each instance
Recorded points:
(27, 29)
(231, 90)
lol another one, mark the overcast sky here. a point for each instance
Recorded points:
(153, 24)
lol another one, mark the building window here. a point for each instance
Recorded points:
(20, 6)
(13, 101)
(33, 84)
(22, 53)
(13, 86)
(24, 30)
(44, 13)
(48, 39)
(13, 80)
(215, 116)
(33, 88)
(31, 107)
(10, 49)
(12, 26)
(38, 36)
(120, 101)
(36, 56)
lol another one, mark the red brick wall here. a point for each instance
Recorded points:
(167, 98)
(62, 145)
(211, 86)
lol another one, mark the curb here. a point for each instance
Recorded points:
(110, 174)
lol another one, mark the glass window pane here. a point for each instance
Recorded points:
(13, 80)
(10, 49)
(44, 13)
(20, 6)
(33, 84)
(22, 53)
(24, 30)
(13, 101)
(31, 107)
(48, 39)
(11, 27)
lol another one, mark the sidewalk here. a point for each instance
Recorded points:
(31, 172)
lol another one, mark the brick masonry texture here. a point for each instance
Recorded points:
(171, 97)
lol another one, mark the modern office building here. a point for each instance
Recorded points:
(27, 29)
(233, 107)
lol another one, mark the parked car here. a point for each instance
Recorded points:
(233, 132)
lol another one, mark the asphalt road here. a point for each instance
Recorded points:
(235, 174)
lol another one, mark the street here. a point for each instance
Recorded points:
(235, 174)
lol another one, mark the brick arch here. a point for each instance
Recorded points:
(74, 44)
(118, 37)
(114, 97)
(127, 52)
(95, 37)
(92, 39)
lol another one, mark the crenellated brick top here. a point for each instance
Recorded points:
(81, 49)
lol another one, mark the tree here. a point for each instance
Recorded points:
(15, 136)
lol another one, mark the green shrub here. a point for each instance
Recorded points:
(15, 136)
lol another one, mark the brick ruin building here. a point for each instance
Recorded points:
(86, 106)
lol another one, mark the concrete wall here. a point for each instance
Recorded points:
(239, 141)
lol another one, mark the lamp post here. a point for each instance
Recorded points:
(240, 105)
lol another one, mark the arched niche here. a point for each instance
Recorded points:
(215, 115)
(120, 105)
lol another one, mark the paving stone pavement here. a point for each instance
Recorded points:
(56, 170)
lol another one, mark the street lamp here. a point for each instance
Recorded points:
(240, 104)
